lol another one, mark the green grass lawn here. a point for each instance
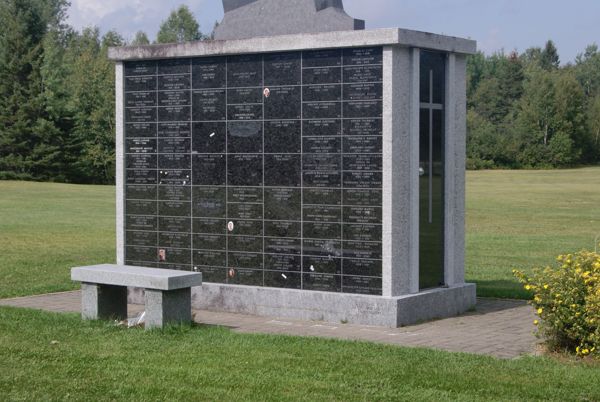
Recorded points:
(521, 219)
(515, 219)
(45, 229)
(45, 356)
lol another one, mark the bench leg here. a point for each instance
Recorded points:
(168, 307)
(103, 302)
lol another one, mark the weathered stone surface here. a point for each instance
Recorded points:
(149, 278)
(167, 307)
(322, 40)
(253, 18)
(103, 302)
(389, 312)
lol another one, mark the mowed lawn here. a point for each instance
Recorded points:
(45, 356)
(46, 228)
(515, 219)
(522, 219)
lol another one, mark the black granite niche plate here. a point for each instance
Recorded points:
(209, 105)
(282, 170)
(174, 66)
(141, 222)
(283, 204)
(140, 130)
(363, 126)
(208, 169)
(244, 71)
(140, 68)
(362, 56)
(209, 72)
(142, 83)
(174, 224)
(283, 136)
(141, 192)
(283, 229)
(282, 69)
(174, 129)
(322, 58)
(140, 99)
(283, 262)
(209, 138)
(245, 137)
(173, 82)
(245, 170)
(283, 103)
(209, 202)
(174, 98)
(284, 246)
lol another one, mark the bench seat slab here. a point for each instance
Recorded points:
(140, 277)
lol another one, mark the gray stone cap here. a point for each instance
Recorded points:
(125, 275)
(324, 40)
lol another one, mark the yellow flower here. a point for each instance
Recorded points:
(536, 322)
(540, 311)
(527, 287)
(585, 352)
(545, 286)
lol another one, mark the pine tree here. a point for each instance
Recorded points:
(28, 139)
(140, 39)
(180, 26)
(549, 59)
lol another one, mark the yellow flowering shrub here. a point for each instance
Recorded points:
(566, 299)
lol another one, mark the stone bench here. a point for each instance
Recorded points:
(167, 292)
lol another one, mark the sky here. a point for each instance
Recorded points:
(495, 24)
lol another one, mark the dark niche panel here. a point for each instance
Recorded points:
(283, 103)
(140, 68)
(140, 146)
(283, 136)
(209, 72)
(259, 170)
(209, 105)
(140, 99)
(282, 69)
(134, 130)
(174, 129)
(244, 71)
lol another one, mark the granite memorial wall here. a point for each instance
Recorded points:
(260, 169)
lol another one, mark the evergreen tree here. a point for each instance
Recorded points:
(180, 26)
(140, 39)
(587, 67)
(29, 141)
(93, 106)
(593, 118)
(549, 59)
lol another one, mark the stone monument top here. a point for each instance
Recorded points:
(253, 18)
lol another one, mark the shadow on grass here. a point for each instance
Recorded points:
(501, 289)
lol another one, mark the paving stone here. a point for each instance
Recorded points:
(500, 328)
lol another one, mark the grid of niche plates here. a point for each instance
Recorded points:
(260, 170)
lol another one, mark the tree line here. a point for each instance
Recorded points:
(57, 99)
(57, 96)
(526, 111)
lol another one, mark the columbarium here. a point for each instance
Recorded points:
(308, 168)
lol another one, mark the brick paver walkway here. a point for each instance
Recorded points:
(501, 328)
